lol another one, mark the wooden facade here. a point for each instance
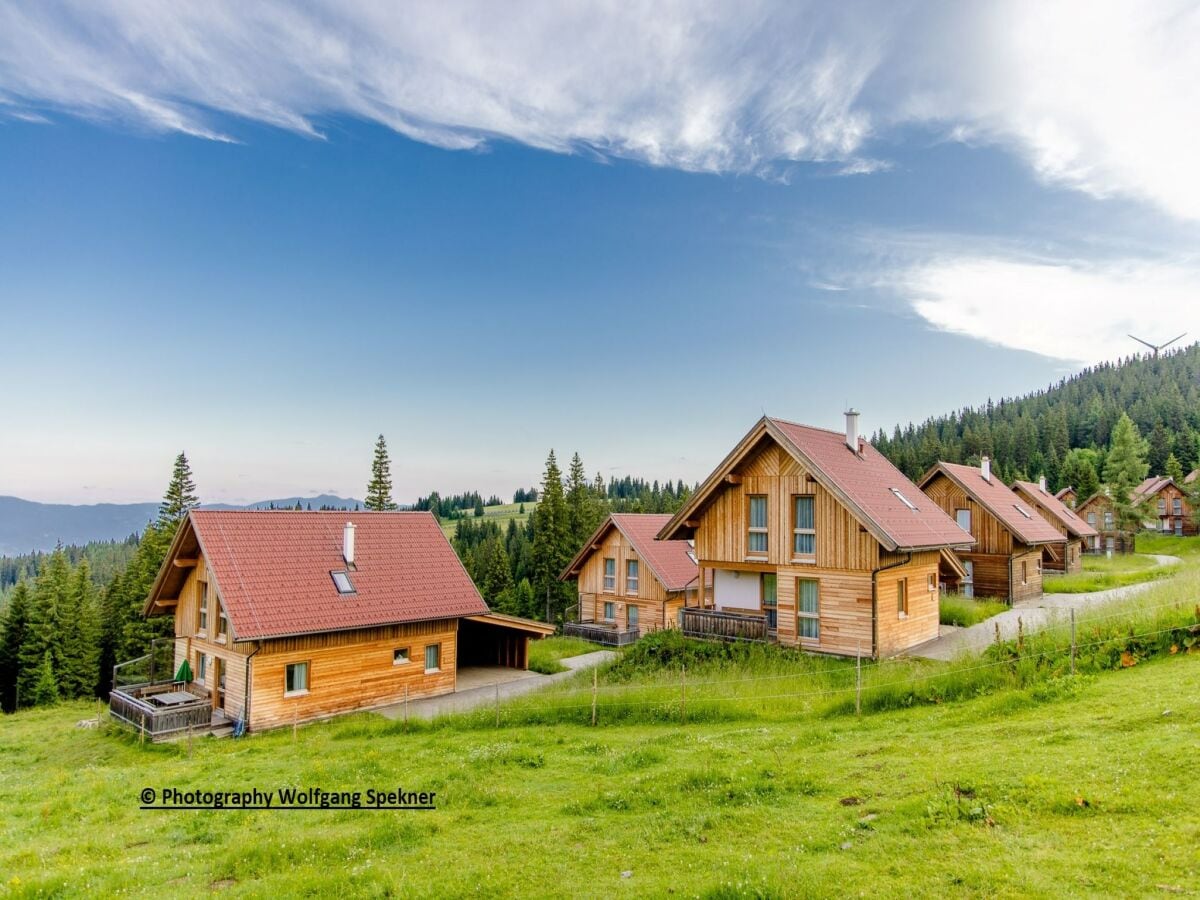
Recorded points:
(1168, 510)
(1000, 565)
(1098, 512)
(656, 607)
(1065, 557)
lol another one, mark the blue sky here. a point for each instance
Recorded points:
(632, 248)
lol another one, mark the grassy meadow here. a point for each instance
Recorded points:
(501, 515)
(544, 655)
(1101, 573)
(962, 612)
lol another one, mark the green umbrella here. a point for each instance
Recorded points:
(185, 672)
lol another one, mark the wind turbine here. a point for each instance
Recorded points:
(1157, 347)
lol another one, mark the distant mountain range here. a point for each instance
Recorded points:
(26, 525)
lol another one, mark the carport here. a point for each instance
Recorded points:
(494, 639)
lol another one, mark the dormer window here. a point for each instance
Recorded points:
(341, 580)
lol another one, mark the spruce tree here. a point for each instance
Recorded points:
(79, 676)
(180, 495)
(16, 624)
(550, 536)
(1124, 469)
(1174, 469)
(45, 684)
(379, 488)
(583, 514)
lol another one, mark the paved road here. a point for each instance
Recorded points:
(1034, 615)
(475, 697)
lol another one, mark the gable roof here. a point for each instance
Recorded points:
(1052, 504)
(273, 570)
(999, 500)
(671, 562)
(1191, 476)
(1062, 492)
(1150, 487)
(866, 483)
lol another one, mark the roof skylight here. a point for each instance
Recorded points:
(1022, 511)
(904, 499)
(341, 580)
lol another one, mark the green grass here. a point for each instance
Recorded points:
(1081, 789)
(1101, 573)
(544, 655)
(501, 515)
(955, 609)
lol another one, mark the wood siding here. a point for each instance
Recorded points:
(657, 607)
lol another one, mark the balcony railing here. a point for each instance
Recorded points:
(711, 624)
(607, 634)
(158, 710)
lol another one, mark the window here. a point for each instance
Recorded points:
(757, 538)
(769, 598)
(341, 580)
(400, 656)
(963, 518)
(1108, 520)
(610, 574)
(222, 621)
(1179, 527)
(296, 679)
(201, 668)
(904, 500)
(1092, 519)
(902, 598)
(631, 576)
(203, 624)
(1022, 510)
(808, 614)
(1162, 506)
(933, 583)
(968, 585)
(1024, 572)
(804, 532)
(631, 616)
(1177, 506)
(610, 611)
(433, 657)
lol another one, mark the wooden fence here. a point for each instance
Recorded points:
(710, 624)
(156, 721)
(599, 633)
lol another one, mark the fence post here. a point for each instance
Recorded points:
(997, 625)
(497, 704)
(406, 707)
(295, 721)
(1072, 640)
(1020, 636)
(142, 733)
(595, 678)
(858, 679)
(683, 694)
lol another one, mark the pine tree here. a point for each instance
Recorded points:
(81, 632)
(550, 538)
(1173, 469)
(180, 495)
(583, 514)
(45, 685)
(379, 488)
(1124, 469)
(1158, 448)
(1079, 472)
(16, 624)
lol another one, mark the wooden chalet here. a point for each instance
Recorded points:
(629, 583)
(1010, 538)
(1099, 513)
(1065, 556)
(1166, 506)
(816, 540)
(1068, 496)
(289, 616)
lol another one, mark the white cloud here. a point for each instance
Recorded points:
(1100, 96)
(1077, 312)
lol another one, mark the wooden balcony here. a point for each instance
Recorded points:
(606, 633)
(164, 709)
(714, 625)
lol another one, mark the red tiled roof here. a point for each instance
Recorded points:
(869, 481)
(1150, 487)
(1054, 505)
(998, 499)
(272, 570)
(670, 560)
(1064, 491)
(1191, 476)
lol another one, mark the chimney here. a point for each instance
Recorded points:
(985, 469)
(348, 544)
(1042, 484)
(852, 430)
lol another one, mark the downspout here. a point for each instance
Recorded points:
(246, 707)
(875, 600)
(1011, 598)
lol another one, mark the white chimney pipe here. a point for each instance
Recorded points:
(1042, 483)
(348, 544)
(852, 429)
(985, 469)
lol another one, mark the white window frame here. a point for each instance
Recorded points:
(803, 616)
(753, 531)
(201, 667)
(289, 677)
(968, 584)
(632, 617)
(633, 572)
(610, 578)
(202, 619)
(798, 532)
(958, 519)
(610, 611)
(437, 650)
(401, 656)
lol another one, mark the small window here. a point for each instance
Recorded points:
(222, 621)
(631, 616)
(757, 532)
(1092, 519)
(902, 598)
(201, 668)
(202, 626)
(1024, 572)
(1108, 519)
(296, 679)
(631, 576)
(610, 574)
(433, 657)
(1177, 506)
(400, 656)
(963, 518)
(933, 582)
(341, 580)
(804, 531)
(808, 611)
(610, 611)
(1162, 506)
(968, 585)
(904, 500)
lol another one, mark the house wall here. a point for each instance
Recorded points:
(349, 671)
(657, 607)
(1122, 541)
(1167, 521)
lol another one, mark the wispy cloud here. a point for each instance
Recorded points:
(1077, 311)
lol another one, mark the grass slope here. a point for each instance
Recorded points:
(501, 515)
(544, 654)
(1101, 573)
(1077, 789)
(955, 609)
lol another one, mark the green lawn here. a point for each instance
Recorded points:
(955, 609)
(501, 515)
(544, 655)
(1101, 573)
(1083, 790)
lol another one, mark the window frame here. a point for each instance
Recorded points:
(1177, 506)
(803, 616)
(289, 678)
(609, 582)
(437, 651)
(633, 574)
(632, 616)
(754, 531)
(222, 622)
(932, 580)
(968, 583)
(798, 532)
(610, 611)
(202, 617)
(201, 667)
(401, 656)
(958, 512)
(901, 598)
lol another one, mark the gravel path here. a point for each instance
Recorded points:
(1034, 615)
(485, 695)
